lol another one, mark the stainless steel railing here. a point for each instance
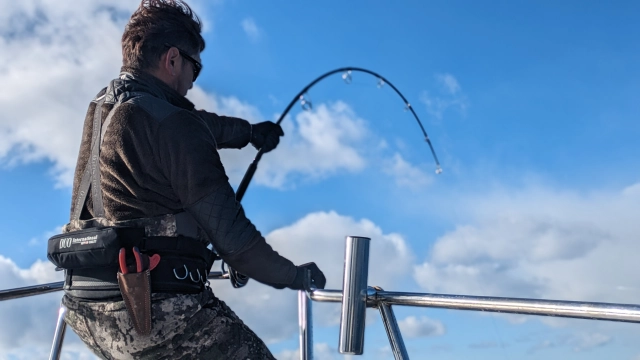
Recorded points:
(355, 296)
(30, 290)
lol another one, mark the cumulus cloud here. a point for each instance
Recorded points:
(29, 323)
(540, 243)
(317, 237)
(224, 105)
(321, 142)
(449, 96)
(414, 327)
(405, 174)
(317, 144)
(251, 29)
(55, 56)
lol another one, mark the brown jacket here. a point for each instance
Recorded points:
(159, 156)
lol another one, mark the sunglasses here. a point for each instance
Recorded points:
(197, 66)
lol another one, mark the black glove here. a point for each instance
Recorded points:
(308, 275)
(266, 135)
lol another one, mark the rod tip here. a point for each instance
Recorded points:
(438, 170)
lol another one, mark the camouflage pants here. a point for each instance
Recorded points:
(197, 326)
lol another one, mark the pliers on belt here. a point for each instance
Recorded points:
(139, 263)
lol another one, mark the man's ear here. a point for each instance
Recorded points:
(169, 61)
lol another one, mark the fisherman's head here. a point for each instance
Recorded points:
(163, 38)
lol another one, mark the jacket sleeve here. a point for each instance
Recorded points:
(191, 162)
(229, 132)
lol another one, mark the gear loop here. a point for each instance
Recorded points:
(199, 279)
(186, 273)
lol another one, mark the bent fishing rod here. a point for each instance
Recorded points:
(244, 184)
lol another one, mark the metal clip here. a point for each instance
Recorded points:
(199, 276)
(347, 77)
(186, 273)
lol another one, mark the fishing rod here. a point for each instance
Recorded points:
(238, 279)
(306, 104)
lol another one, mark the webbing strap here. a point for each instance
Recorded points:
(83, 189)
(94, 164)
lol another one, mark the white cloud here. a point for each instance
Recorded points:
(317, 143)
(450, 97)
(251, 29)
(540, 243)
(54, 57)
(224, 105)
(42, 239)
(29, 323)
(405, 174)
(317, 237)
(413, 327)
(449, 82)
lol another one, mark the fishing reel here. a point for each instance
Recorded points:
(237, 279)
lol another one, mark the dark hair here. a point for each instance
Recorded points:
(154, 24)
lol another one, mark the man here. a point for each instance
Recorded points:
(148, 160)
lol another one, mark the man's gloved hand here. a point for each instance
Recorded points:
(266, 135)
(308, 276)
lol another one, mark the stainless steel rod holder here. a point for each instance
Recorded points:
(58, 337)
(393, 332)
(305, 320)
(354, 299)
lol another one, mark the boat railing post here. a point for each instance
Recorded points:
(393, 330)
(305, 321)
(58, 337)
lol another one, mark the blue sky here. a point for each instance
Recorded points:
(532, 108)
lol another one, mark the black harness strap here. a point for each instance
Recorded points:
(83, 189)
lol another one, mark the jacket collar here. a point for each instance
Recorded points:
(132, 80)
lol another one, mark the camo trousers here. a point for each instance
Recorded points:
(184, 327)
